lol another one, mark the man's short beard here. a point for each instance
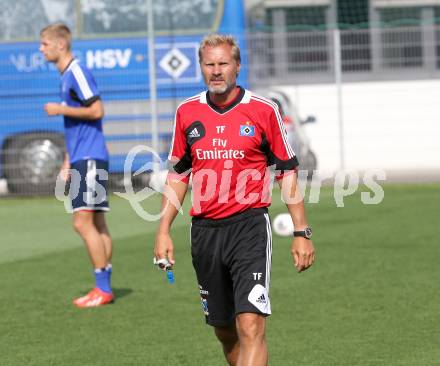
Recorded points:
(221, 89)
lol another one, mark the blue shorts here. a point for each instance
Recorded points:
(88, 185)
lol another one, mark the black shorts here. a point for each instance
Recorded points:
(88, 185)
(232, 260)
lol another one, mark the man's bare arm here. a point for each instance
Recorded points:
(173, 196)
(94, 111)
(302, 249)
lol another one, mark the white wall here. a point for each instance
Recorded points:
(393, 126)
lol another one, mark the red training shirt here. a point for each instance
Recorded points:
(228, 151)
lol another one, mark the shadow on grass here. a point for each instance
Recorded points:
(121, 292)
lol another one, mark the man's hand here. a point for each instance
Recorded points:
(303, 253)
(53, 109)
(65, 171)
(164, 247)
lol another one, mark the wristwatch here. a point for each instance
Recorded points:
(306, 233)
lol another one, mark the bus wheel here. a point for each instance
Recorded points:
(32, 162)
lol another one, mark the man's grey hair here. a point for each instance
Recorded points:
(214, 40)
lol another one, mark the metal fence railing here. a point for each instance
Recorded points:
(367, 54)
(357, 81)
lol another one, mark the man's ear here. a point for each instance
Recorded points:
(61, 44)
(238, 68)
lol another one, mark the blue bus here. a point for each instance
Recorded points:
(110, 38)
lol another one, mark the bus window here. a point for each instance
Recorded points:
(110, 17)
(20, 23)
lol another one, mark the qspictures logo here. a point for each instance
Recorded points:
(344, 184)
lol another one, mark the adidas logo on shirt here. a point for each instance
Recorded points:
(261, 299)
(194, 133)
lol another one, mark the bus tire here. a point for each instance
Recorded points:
(32, 162)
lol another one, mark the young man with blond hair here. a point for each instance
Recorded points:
(86, 160)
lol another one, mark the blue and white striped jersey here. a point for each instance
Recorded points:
(84, 138)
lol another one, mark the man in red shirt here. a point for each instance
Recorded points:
(227, 137)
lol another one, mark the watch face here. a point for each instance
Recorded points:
(308, 232)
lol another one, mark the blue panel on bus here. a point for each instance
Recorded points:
(120, 66)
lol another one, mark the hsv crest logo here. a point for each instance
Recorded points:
(205, 306)
(204, 300)
(247, 130)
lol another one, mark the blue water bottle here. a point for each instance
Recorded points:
(170, 275)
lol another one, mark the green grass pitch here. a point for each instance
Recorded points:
(372, 298)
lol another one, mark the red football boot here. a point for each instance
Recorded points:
(94, 298)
